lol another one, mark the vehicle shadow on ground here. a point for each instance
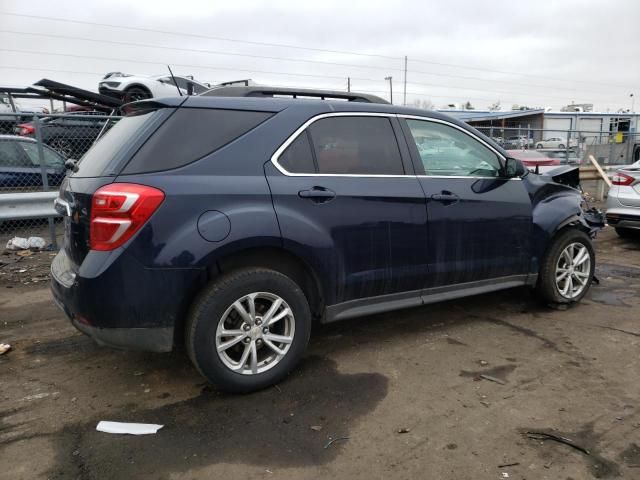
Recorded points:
(271, 428)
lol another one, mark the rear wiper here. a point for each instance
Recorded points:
(72, 165)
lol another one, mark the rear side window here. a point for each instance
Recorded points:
(356, 145)
(190, 134)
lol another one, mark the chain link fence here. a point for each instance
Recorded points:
(33, 152)
(570, 146)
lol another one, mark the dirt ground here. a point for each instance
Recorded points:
(401, 393)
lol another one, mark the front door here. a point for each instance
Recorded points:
(347, 200)
(479, 222)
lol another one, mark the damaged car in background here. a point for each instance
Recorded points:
(234, 221)
(129, 88)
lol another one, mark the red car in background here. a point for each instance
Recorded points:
(532, 159)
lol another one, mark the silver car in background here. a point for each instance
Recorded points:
(623, 202)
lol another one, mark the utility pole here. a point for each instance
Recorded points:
(404, 95)
(390, 79)
(633, 103)
(348, 84)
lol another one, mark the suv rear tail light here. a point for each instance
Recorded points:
(620, 178)
(118, 211)
(25, 129)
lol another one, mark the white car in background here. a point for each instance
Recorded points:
(623, 201)
(555, 142)
(130, 88)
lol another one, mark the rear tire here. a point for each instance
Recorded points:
(627, 232)
(539, 145)
(222, 315)
(567, 269)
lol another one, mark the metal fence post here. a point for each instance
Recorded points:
(43, 172)
(567, 145)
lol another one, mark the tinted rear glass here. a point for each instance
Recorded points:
(298, 158)
(106, 154)
(190, 134)
(356, 145)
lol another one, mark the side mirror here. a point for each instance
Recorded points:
(513, 168)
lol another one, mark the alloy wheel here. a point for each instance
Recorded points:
(572, 270)
(255, 333)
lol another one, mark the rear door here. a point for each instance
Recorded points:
(346, 197)
(479, 221)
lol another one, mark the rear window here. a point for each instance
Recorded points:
(190, 134)
(104, 157)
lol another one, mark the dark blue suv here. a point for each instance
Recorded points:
(234, 223)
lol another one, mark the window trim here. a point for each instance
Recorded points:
(399, 116)
(305, 125)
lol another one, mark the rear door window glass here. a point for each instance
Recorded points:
(190, 134)
(298, 157)
(11, 156)
(356, 145)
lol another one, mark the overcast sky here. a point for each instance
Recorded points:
(543, 53)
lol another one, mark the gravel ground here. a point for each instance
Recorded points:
(443, 391)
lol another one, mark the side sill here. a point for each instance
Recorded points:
(415, 298)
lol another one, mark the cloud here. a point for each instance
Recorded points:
(458, 50)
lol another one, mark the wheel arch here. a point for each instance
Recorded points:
(271, 257)
(137, 85)
(280, 260)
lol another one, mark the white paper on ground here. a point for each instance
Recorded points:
(130, 428)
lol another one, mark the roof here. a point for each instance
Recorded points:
(480, 116)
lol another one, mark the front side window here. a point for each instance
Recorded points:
(356, 145)
(447, 151)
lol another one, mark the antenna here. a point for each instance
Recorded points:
(174, 80)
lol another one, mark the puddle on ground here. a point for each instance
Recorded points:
(270, 428)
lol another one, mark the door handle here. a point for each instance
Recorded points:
(445, 197)
(318, 194)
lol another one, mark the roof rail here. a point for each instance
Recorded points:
(265, 91)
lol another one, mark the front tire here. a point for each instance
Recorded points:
(539, 145)
(248, 329)
(567, 268)
(134, 94)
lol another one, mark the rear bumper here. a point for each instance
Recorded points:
(136, 308)
(158, 339)
(622, 217)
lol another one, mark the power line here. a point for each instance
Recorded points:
(216, 52)
(269, 72)
(363, 90)
(281, 45)
(197, 50)
(194, 35)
